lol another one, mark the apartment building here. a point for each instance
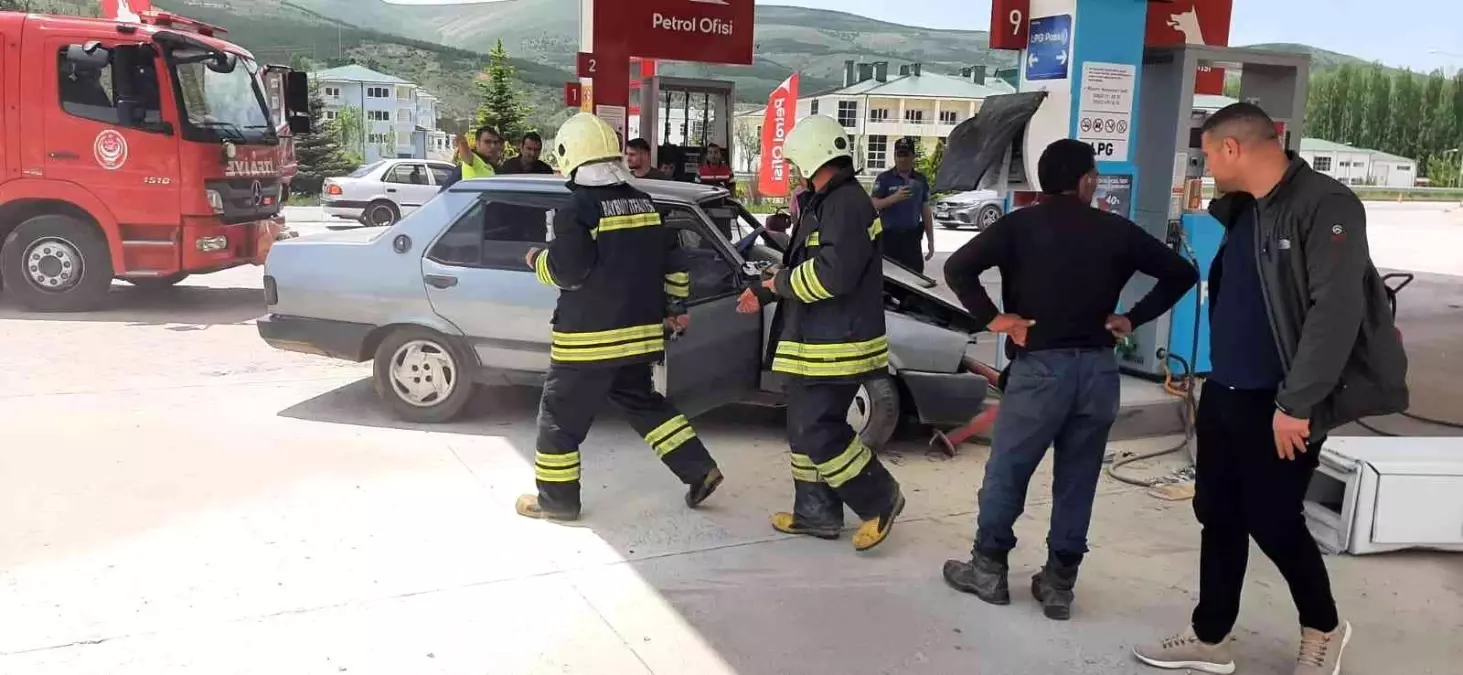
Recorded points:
(399, 118)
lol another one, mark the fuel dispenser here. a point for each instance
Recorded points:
(1169, 200)
(680, 117)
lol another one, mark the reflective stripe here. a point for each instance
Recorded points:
(876, 229)
(804, 469)
(607, 345)
(541, 269)
(831, 360)
(611, 223)
(813, 239)
(805, 284)
(678, 284)
(556, 468)
(847, 465)
(667, 437)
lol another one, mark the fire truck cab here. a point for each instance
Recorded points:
(145, 151)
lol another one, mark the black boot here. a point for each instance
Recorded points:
(983, 576)
(817, 512)
(1052, 587)
(701, 491)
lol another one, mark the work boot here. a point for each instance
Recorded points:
(702, 490)
(875, 530)
(983, 576)
(530, 506)
(1320, 653)
(1186, 651)
(1052, 587)
(817, 512)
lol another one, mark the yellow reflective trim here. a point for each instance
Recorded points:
(802, 461)
(556, 468)
(846, 465)
(611, 223)
(673, 443)
(813, 239)
(556, 460)
(677, 291)
(556, 475)
(804, 469)
(666, 428)
(800, 286)
(609, 336)
(836, 369)
(876, 229)
(832, 350)
(810, 276)
(541, 269)
(584, 354)
(680, 278)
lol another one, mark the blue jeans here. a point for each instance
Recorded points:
(1062, 398)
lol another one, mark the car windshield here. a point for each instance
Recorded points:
(221, 96)
(363, 171)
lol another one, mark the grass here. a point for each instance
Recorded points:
(303, 200)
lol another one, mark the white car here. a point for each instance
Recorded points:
(379, 194)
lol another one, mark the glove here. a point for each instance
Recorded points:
(765, 296)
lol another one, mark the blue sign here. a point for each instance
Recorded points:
(1049, 50)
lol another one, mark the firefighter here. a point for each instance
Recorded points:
(623, 283)
(829, 330)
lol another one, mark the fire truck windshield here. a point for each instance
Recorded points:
(220, 97)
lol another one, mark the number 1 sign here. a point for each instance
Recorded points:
(1010, 24)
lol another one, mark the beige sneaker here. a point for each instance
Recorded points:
(1187, 651)
(1320, 653)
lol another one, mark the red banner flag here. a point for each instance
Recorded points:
(124, 10)
(782, 113)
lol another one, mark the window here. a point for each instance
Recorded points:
(403, 93)
(815, 107)
(378, 92)
(88, 90)
(878, 151)
(441, 172)
(848, 114)
(406, 174)
(330, 115)
(878, 114)
(914, 116)
(403, 115)
(380, 139)
(330, 92)
(949, 117)
(497, 234)
(378, 115)
(712, 275)
(403, 138)
(1323, 163)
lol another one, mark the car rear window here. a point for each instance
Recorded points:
(361, 172)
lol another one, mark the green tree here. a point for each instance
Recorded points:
(1443, 169)
(500, 105)
(1318, 107)
(928, 163)
(1437, 118)
(1406, 129)
(319, 152)
(1376, 105)
(1341, 110)
(350, 131)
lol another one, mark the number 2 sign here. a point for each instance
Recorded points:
(1010, 24)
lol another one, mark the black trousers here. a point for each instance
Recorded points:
(1244, 489)
(904, 247)
(831, 466)
(571, 399)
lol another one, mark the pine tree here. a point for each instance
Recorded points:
(500, 105)
(320, 152)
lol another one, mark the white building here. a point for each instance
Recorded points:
(399, 118)
(1359, 166)
(878, 109)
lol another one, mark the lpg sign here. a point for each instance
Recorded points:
(702, 31)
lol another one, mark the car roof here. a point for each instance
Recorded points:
(659, 190)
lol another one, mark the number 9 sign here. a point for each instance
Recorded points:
(1010, 24)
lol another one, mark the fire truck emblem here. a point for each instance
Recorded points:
(110, 149)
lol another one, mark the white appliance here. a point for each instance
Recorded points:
(1372, 495)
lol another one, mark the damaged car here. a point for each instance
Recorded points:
(442, 302)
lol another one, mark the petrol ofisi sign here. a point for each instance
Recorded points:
(702, 31)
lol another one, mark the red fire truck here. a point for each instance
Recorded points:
(142, 150)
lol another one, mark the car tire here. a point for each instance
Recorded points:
(411, 357)
(988, 216)
(381, 213)
(59, 245)
(157, 283)
(875, 411)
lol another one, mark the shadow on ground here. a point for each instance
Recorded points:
(182, 308)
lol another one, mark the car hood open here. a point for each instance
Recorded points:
(927, 287)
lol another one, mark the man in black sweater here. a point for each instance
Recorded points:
(1063, 267)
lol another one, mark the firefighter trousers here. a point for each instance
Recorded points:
(571, 399)
(831, 466)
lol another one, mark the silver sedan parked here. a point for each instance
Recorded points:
(443, 301)
(379, 194)
(978, 209)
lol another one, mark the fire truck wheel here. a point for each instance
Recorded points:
(421, 375)
(381, 214)
(157, 283)
(57, 263)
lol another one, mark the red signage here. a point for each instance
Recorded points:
(586, 65)
(573, 94)
(1195, 22)
(702, 31)
(125, 10)
(1010, 24)
(782, 111)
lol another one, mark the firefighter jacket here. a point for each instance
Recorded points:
(620, 273)
(831, 287)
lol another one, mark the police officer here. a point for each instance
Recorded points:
(623, 282)
(830, 337)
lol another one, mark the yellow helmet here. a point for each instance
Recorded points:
(585, 138)
(815, 141)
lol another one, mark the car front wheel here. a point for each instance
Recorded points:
(988, 216)
(420, 376)
(874, 413)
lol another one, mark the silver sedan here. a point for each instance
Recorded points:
(379, 194)
(978, 209)
(442, 301)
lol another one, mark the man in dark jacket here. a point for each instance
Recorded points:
(527, 161)
(1063, 267)
(1302, 342)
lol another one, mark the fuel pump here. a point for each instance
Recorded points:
(680, 117)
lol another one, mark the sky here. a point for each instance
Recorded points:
(1372, 30)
